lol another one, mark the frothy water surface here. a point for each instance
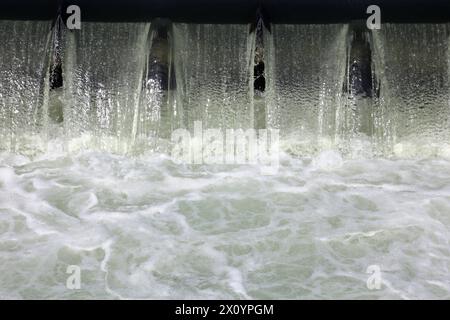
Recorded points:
(149, 228)
(143, 226)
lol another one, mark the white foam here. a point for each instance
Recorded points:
(151, 229)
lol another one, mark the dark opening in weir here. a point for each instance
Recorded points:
(359, 74)
(56, 72)
(159, 62)
(258, 27)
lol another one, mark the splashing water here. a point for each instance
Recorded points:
(94, 189)
(207, 232)
(104, 65)
(24, 57)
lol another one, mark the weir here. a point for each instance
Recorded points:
(231, 149)
(126, 86)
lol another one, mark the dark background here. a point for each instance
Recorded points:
(231, 11)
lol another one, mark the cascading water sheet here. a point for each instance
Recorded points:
(354, 116)
(103, 70)
(24, 58)
(305, 74)
(414, 106)
(214, 73)
(157, 115)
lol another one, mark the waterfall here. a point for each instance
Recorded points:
(354, 116)
(413, 114)
(127, 86)
(214, 73)
(24, 59)
(103, 71)
(305, 74)
(157, 114)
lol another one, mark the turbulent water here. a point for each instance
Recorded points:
(147, 228)
(86, 179)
